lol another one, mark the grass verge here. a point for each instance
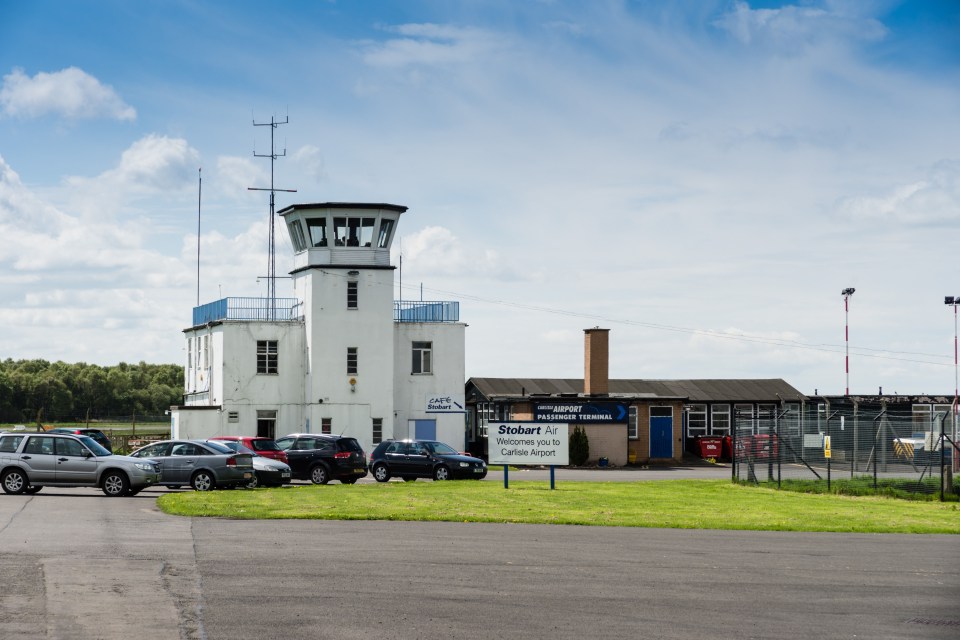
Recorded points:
(680, 504)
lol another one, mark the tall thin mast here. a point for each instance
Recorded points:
(271, 250)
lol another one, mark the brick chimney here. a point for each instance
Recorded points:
(596, 365)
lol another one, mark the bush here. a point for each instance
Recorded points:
(579, 446)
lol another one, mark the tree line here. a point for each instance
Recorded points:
(37, 391)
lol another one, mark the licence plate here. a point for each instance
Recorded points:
(285, 474)
(359, 471)
(247, 475)
(477, 470)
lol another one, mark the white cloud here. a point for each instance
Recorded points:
(438, 252)
(933, 200)
(311, 159)
(793, 27)
(70, 92)
(432, 45)
(235, 176)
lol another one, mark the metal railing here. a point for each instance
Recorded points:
(249, 309)
(424, 311)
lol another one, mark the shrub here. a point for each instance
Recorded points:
(579, 446)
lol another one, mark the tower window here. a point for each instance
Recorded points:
(422, 357)
(351, 295)
(267, 356)
(351, 361)
(318, 231)
(353, 232)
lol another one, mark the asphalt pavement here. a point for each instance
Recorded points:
(75, 564)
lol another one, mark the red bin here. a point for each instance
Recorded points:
(709, 447)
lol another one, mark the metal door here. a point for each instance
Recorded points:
(72, 465)
(661, 433)
(39, 459)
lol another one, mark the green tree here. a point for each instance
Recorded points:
(579, 446)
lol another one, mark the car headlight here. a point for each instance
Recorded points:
(143, 466)
(464, 464)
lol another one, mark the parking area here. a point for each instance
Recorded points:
(76, 564)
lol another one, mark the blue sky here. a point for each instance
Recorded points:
(703, 178)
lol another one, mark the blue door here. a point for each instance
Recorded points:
(425, 429)
(661, 433)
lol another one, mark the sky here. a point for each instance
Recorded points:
(701, 177)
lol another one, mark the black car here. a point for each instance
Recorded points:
(321, 458)
(96, 434)
(412, 459)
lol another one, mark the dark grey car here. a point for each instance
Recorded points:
(198, 464)
(29, 462)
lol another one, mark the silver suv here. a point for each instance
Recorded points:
(29, 462)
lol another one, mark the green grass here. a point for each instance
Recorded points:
(903, 488)
(681, 504)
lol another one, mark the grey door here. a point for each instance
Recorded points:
(39, 458)
(183, 460)
(72, 465)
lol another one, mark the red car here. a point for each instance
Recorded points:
(265, 447)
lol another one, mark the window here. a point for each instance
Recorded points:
(351, 361)
(351, 295)
(266, 423)
(296, 233)
(922, 418)
(484, 417)
(422, 352)
(386, 228)
(233, 416)
(9, 444)
(317, 228)
(39, 445)
(69, 447)
(744, 417)
(790, 422)
(766, 417)
(266, 356)
(326, 425)
(206, 351)
(353, 232)
(377, 430)
(633, 431)
(696, 420)
(720, 419)
(189, 353)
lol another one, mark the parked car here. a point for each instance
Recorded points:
(412, 459)
(96, 434)
(198, 464)
(266, 447)
(321, 458)
(29, 462)
(267, 472)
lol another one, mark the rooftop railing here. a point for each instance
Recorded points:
(249, 309)
(423, 311)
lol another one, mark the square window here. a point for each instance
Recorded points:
(267, 356)
(422, 357)
(326, 425)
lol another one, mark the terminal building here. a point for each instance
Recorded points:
(339, 356)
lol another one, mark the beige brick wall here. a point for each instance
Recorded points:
(606, 440)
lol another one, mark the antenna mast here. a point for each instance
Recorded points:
(272, 253)
(199, 193)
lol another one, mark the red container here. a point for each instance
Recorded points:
(709, 447)
(764, 446)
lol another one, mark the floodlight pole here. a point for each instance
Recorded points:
(846, 313)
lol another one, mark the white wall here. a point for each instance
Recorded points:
(448, 378)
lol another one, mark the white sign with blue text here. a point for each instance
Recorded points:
(538, 443)
(445, 403)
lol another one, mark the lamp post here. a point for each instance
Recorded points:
(846, 317)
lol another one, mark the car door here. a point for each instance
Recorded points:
(75, 463)
(184, 458)
(300, 454)
(419, 461)
(39, 459)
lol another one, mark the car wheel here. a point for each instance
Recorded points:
(319, 475)
(202, 481)
(381, 473)
(115, 484)
(441, 473)
(254, 482)
(409, 479)
(14, 481)
(32, 489)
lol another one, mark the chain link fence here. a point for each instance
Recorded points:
(850, 449)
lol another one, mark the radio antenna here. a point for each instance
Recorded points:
(199, 193)
(271, 251)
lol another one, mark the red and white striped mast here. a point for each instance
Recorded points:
(846, 313)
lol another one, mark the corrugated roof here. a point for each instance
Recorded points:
(732, 390)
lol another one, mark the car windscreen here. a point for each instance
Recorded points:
(93, 445)
(218, 447)
(348, 444)
(441, 449)
(264, 445)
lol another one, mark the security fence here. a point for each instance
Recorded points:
(848, 449)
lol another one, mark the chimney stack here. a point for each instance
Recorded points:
(596, 367)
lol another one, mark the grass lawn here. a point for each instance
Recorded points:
(681, 504)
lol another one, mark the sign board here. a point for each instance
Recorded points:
(826, 446)
(581, 412)
(444, 403)
(528, 443)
